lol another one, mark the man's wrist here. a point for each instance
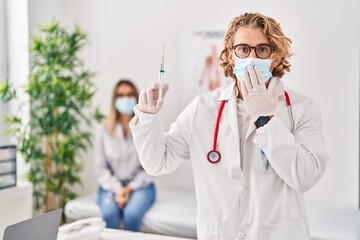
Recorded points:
(262, 121)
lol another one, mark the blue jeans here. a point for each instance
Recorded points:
(133, 212)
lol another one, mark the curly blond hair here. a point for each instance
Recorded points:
(272, 31)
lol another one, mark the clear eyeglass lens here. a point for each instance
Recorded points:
(263, 51)
(243, 51)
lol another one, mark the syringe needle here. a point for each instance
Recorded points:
(163, 55)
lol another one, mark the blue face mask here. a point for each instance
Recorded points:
(241, 65)
(125, 105)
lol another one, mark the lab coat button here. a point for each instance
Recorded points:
(243, 188)
(241, 235)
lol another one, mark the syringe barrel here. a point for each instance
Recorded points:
(162, 72)
(161, 78)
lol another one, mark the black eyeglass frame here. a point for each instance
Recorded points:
(272, 49)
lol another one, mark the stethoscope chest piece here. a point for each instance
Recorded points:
(213, 156)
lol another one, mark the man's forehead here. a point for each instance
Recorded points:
(250, 35)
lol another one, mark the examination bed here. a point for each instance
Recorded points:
(174, 214)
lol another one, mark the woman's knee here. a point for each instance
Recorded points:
(109, 213)
(109, 209)
(132, 220)
(111, 217)
(132, 215)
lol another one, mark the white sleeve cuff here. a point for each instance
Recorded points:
(144, 117)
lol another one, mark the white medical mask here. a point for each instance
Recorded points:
(241, 65)
(125, 105)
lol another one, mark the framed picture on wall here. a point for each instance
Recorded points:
(202, 72)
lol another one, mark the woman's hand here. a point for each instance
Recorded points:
(123, 196)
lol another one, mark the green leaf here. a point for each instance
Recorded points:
(6, 93)
(98, 115)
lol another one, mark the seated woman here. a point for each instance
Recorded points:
(126, 191)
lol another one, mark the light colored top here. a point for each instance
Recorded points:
(244, 121)
(117, 163)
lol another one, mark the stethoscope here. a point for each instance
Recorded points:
(214, 155)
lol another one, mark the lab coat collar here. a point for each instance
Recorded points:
(274, 82)
(228, 93)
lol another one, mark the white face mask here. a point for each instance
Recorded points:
(241, 65)
(125, 105)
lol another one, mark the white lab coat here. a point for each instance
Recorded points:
(233, 203)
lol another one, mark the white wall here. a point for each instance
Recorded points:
(18, 61)
(15, 203)
(3, 67)
(127, 35)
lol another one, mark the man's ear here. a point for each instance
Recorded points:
(231, 58)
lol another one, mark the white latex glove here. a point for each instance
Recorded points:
(258, 101)
(149, 99)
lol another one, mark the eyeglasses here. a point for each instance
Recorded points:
(262, 51)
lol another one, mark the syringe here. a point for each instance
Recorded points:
(162, 73)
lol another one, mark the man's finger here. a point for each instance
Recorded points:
(150, 99)
(165, 88)
(253, 77)
(143, 97)
(155, 88)
(259, 76)
(247, 83)
(244, 90)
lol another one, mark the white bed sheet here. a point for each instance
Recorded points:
(174, 214)
(82, 207)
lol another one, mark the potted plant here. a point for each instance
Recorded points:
(60, 93)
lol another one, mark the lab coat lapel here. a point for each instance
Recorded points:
(250, 129)
(232, 118)
(230, 111)
(274, 82)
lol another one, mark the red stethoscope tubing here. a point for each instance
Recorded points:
(288, 103)
(222, 105)
(214, 155)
